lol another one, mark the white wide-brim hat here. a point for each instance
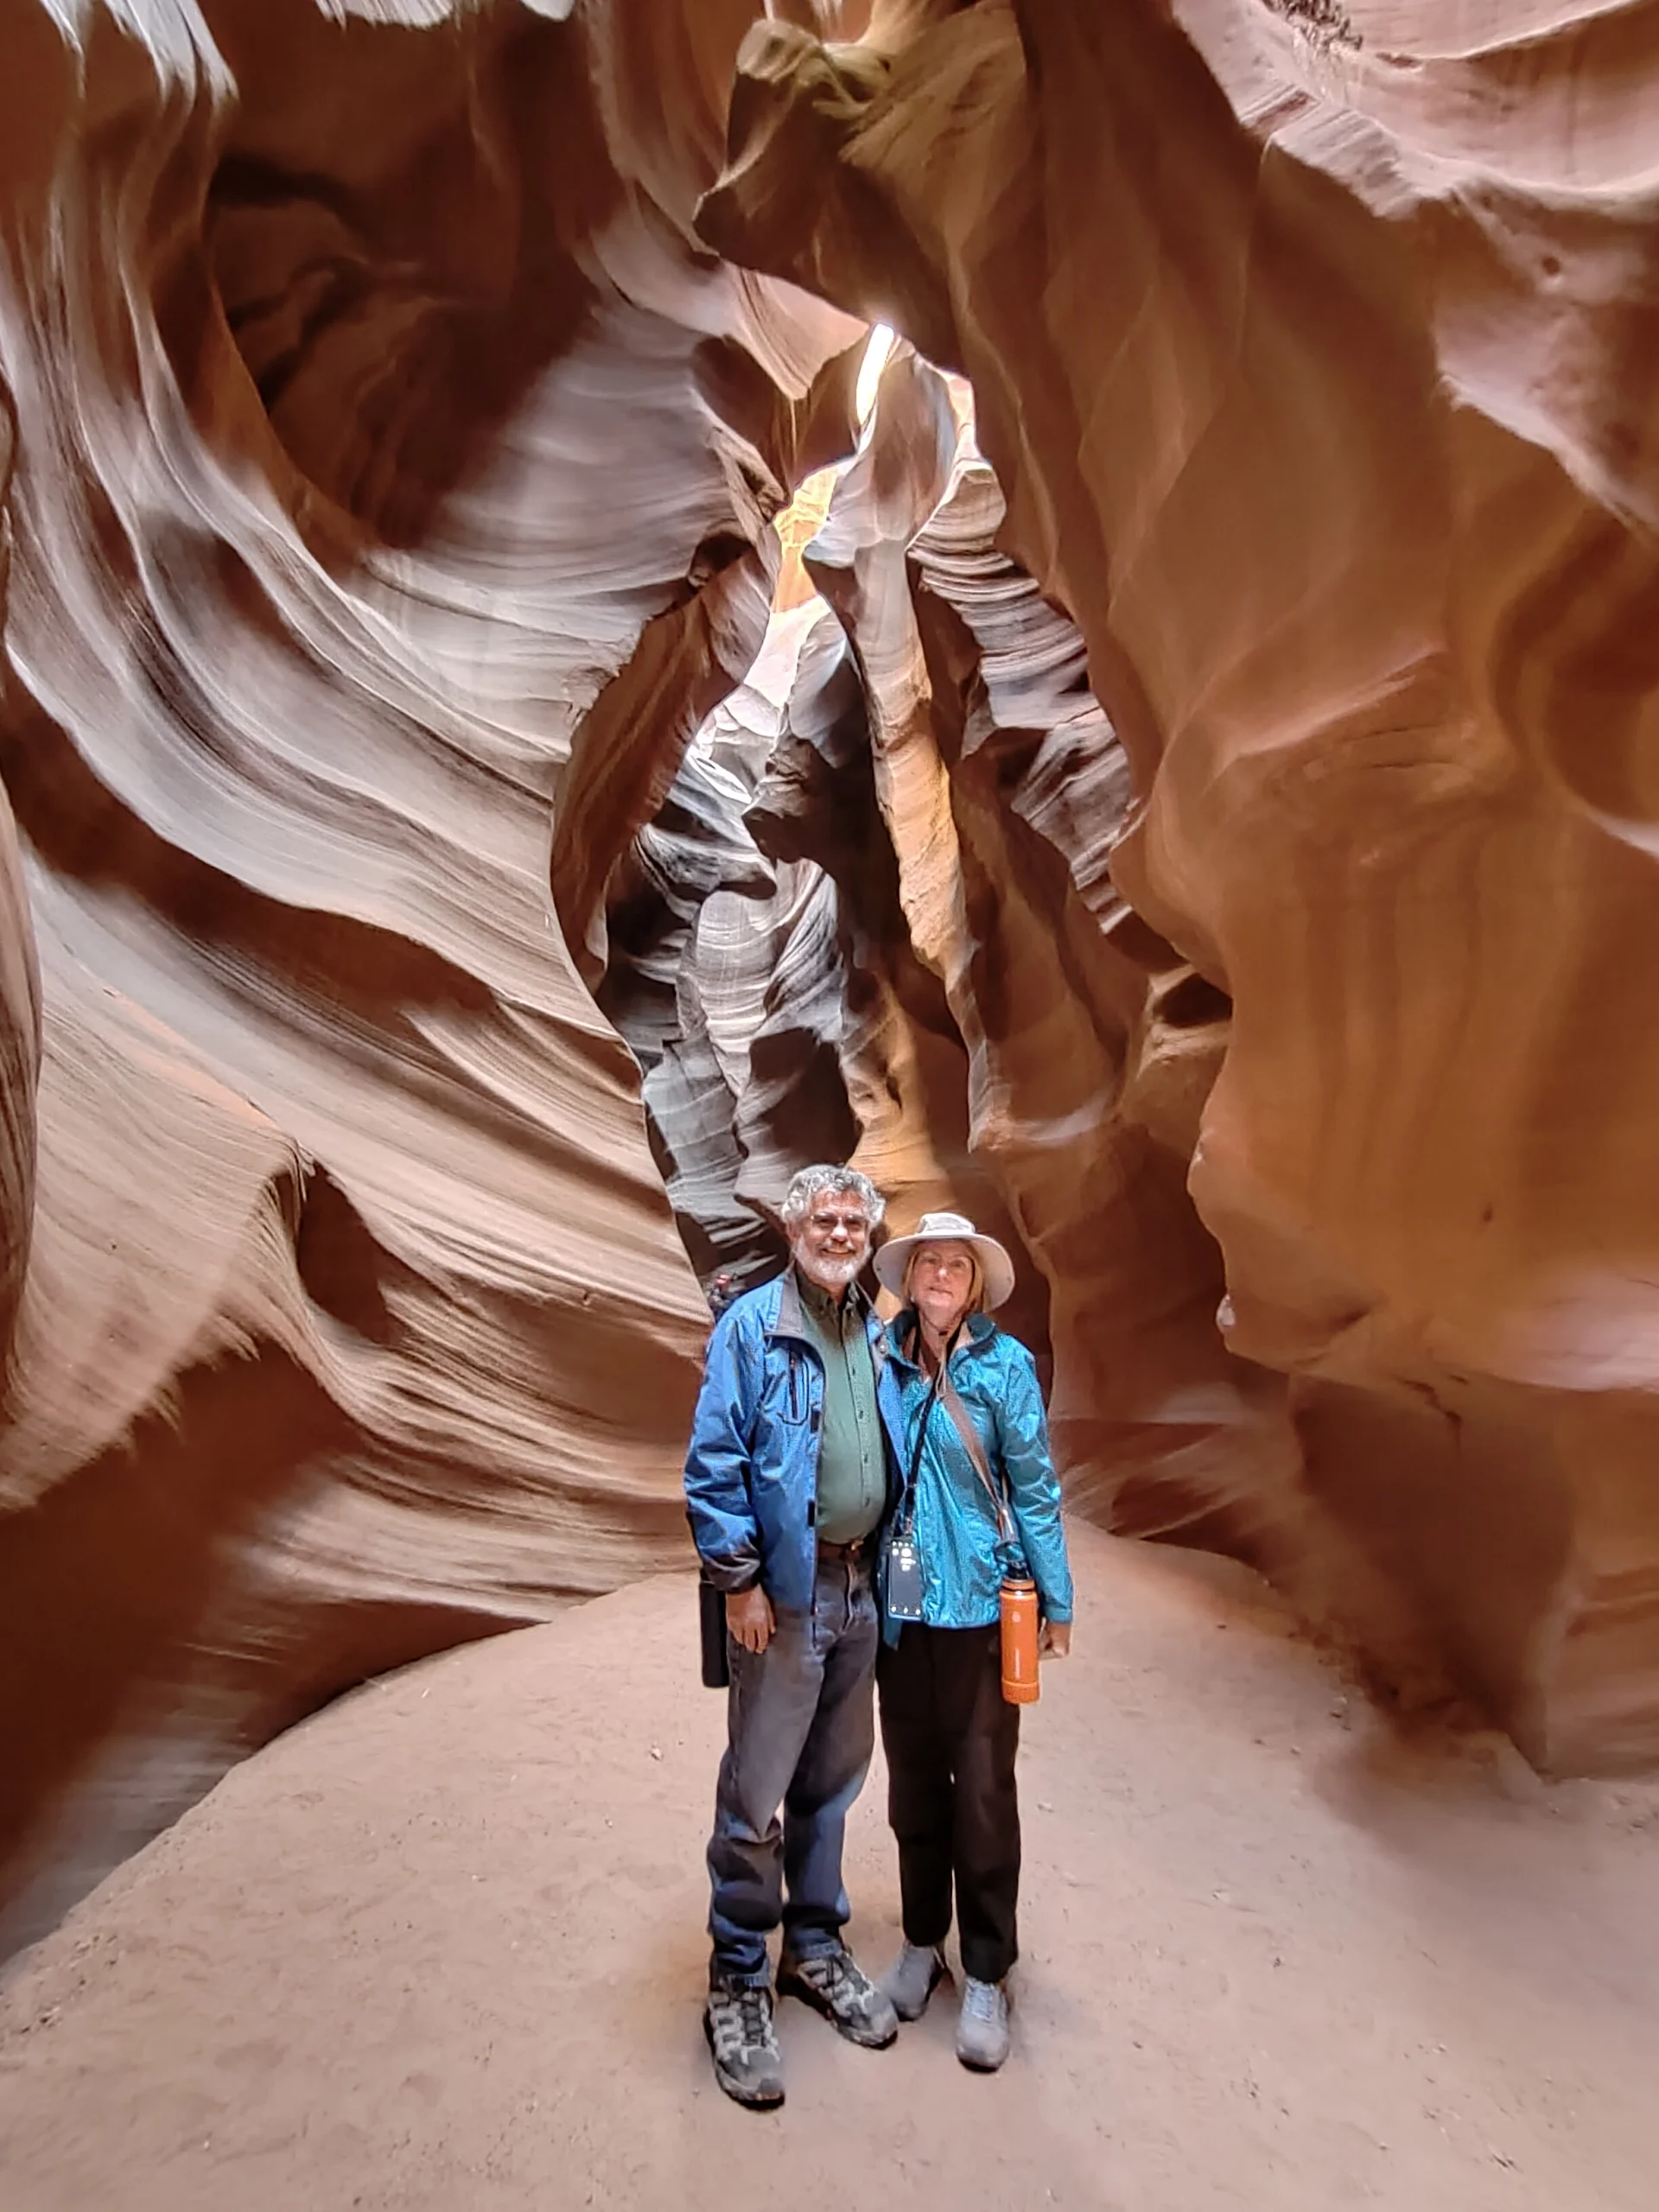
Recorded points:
(946, 1228)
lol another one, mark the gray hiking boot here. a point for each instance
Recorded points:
(749, 2064)
(830, 1983)
(912, 1978)
(982, 2028)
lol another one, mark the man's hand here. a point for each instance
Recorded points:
(1055, 1642)
(749, 1617)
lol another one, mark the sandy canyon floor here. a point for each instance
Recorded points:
(440, 1950)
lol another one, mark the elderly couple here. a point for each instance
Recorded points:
(821, 1448)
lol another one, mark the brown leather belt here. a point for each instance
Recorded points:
(856, 1550)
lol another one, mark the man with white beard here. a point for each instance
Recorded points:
(791, 1466)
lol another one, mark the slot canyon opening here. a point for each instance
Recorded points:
(853, 927)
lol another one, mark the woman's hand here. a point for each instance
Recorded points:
(750, 1618)
(1055, 1641)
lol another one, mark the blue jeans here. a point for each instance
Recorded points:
(801, 1723)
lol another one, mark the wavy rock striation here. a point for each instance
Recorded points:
(1209, 832)
(393, 473)
(20, 1009)
(1305, 343)
(965, 987)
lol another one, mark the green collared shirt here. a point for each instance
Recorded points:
(852, 1463)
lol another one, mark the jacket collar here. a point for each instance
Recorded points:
(977, 1333)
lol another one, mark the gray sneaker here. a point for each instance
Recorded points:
(982, 2028)
(912, 1978)
(830, 1983)
(749, 2064)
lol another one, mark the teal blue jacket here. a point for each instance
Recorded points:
(964, 1561)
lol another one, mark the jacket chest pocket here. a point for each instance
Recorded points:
(789, 1394)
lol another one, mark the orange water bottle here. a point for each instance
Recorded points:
(1021, 1683)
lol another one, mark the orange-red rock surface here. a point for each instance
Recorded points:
(1309, 343)
(378, 421)
(1205, 825)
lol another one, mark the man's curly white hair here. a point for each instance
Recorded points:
(813, 1183)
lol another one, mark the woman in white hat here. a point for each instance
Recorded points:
(980, 1501)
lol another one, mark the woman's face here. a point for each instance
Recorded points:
(941, 1282)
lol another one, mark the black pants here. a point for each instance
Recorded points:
(951, 1737)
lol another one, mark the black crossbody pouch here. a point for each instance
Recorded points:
(901, 1593)
(901, 1582)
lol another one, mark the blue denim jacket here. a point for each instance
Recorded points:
(964, 1560)
(751, 1468)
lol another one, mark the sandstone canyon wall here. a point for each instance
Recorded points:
(388, 458)
(1309, 343)
(1190, 802)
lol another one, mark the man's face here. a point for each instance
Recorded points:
(831, 1244)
